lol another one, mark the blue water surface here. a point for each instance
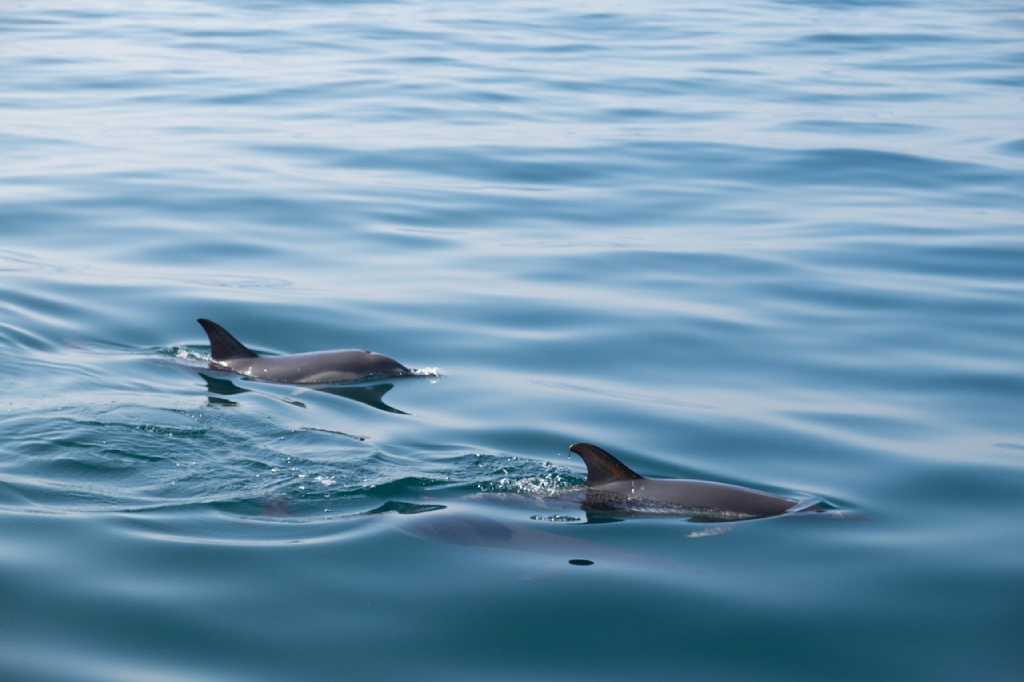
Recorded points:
(771, 243)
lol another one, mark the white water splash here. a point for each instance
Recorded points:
(433, 373)
(542, 485)
(181, 353)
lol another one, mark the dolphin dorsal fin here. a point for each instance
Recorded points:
(223, 346)
(601, 466)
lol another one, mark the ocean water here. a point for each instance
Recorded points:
(771, 243)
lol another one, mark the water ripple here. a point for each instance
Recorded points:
(772, 243)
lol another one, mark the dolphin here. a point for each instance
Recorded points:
(612, 486)
(320, 367)
(459, 526)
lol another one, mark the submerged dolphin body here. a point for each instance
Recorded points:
(470, 528)
(321, 367)
(612, 486)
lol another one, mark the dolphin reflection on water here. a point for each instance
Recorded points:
(371, 395)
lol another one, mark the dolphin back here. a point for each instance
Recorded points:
(223, 346)
(602, 468)
(611, 485)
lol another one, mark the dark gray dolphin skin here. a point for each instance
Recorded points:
(611, 486)
(320, 367)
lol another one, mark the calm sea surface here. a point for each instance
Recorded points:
(776, 244)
